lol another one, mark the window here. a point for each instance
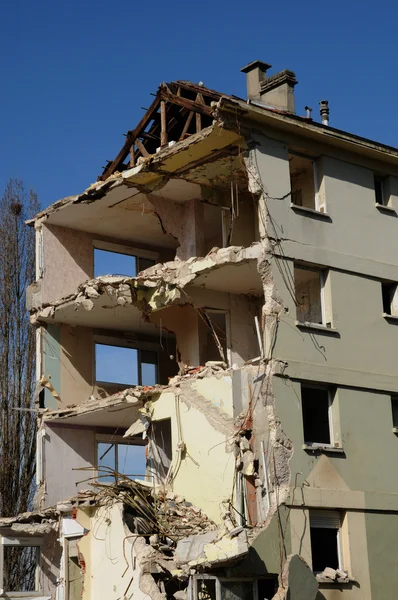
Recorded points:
(125, 457)
(394, 410)
(316, 403)
(390, 298)
(304, 182)
(123, 365)
(112, 259)
(19, 566)
(325, 526)
(208, 587)
(382, 195)
(311, 297)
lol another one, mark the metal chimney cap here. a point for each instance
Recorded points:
(256, 64)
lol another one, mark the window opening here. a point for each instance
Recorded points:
(216, 346)
(316, 405)
(325, 540)
(207, 587)
(19, 565)
(125, 458)
(389, 298)
(381, 194)
(394, 410)
(122, 365)
(112, 262)
(304, 182)
(160, 452)
(310, 295)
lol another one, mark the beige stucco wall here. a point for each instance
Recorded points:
(205, 474)
(108, 551)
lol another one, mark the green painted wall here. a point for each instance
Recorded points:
(382, 536)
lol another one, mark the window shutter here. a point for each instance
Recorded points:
(325, 519)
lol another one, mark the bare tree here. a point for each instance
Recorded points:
(17, 361)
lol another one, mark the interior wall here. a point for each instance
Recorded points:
(68, 261)
(68, 258)
(183, 322)
(76, 364)
(66, 449)
(207, 459)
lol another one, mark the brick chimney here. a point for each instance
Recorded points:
(276, 90)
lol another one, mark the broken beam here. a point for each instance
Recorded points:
(163, 124)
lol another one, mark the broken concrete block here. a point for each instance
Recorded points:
(244, 444)
(330, 573)
(248, 463)
(87, 304)
(91, 292)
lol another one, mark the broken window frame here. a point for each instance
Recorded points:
(331, 392)
(193, 585)
(25, 542)
(330, 518)
(121, 343)
(139, 254)
(324, 295)
(318, 205)
(117, 440)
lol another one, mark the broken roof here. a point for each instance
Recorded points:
(187, 126)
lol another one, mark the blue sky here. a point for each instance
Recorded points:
(75, 74)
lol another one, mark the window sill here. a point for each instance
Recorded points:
(337, 581)
(310, 211)
(323, 448)
(387, 209)
(389, 317)
(316, 327)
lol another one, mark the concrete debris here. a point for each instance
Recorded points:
(31, 523)
(152, 289)
(297, 581)
(154, 513)
(330, 574)
(210, 550)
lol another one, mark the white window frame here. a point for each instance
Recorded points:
(331, 396)
(124, 343)
(26, 542)
(193, 585)
(331, 514)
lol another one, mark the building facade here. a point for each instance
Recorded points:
(216, 343)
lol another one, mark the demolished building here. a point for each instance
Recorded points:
(217, 399)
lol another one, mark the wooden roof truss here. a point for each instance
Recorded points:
(179, 110)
